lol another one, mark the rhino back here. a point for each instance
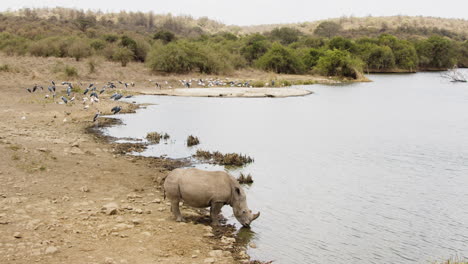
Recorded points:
(199, 188)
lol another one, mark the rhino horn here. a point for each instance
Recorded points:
(255, 216)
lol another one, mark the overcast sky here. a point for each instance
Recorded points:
(253, 12)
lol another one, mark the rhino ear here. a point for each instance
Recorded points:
(237, 190)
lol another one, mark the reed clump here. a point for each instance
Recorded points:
(229, 159)
(192, 141)
(245, 179)
(153, 137)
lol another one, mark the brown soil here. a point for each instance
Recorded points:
(56, 177)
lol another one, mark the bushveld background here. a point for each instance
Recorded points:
(344, 47)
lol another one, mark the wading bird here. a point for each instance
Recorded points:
(116, 109)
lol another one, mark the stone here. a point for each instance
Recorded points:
(138, 211)
(17, 235)
(122, 226)
(209, 260)
(252, 245)
(216, 253)
(108, 260)
(110, 208)
(84, 189)
(51, 250)
(157, 200)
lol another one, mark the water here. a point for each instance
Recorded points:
(367, 172)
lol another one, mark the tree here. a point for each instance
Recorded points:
(123, 55)
(280, 60)
(84, 23)
(339, 63)
(79, 49)
(255, 46)
(285, 35)
(377, 57)
(165, 36)
(327, 29)
(436, 53)
(342, 44)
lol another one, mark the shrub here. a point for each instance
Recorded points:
(111, 38)
(165, 36)
(79, 49)
(280, 60)
(97, 44)
(71, 71)
(327, 29)
(123, 55)
(5, 68)
(339, 63)
(92, 64)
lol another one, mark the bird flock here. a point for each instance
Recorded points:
(208, 82)
(91, 94)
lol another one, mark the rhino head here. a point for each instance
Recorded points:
(239, 206)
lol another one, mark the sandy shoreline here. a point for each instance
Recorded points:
(229, 92)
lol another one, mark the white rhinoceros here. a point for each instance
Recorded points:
(201, 189)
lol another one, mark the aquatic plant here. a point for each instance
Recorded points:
(230, 159)
(153, 137)
(245, 179)
(192, 141)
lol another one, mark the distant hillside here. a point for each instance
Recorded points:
(403, 26)
(56, 21)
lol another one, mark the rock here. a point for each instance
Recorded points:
(137, 221)
(76, 144)
(157, 200)
(43, 150)
(84, 189)
(75, 150)
(252, 245)
(209, 260)
(110, 208)
(243, 255)
(51, 250)
(109, 260)
(216, 253)
(17, 235)
(146, 233)
(121, 227)
(194, 256)
(227, 240)
(138, 211)
(209, 234)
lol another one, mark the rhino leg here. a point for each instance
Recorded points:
(176, 211)
(214, 212)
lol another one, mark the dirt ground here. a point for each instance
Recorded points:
(70, 196)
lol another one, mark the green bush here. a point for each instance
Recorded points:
(71, 71)
(123, 55)
(79, 49)
(339, 63)
(97, 44)
(280, 59)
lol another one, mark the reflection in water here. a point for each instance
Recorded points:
(368, 172)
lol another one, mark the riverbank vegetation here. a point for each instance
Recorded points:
(228, 159)
(168, 44)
